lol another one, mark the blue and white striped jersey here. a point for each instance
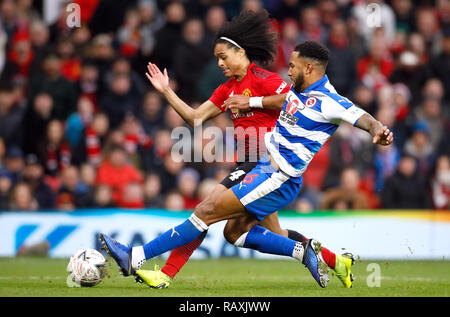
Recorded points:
(306, 122)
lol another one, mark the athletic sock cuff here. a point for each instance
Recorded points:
(198, 223)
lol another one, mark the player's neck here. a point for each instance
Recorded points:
(243, 71)
(311, 80)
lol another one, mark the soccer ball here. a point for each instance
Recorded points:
(87, 267)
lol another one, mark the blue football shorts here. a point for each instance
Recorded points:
(265, 190)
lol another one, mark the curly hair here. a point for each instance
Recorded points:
(254, 32)
(314, 50)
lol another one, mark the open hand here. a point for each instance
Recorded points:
(159, 80)
(383, 137)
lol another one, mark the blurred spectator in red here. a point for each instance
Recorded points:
(88, 8)
(169, 35)
(133, 196)
(103, 197)
(54, 151)
(20, 58)
(152, 191)
(288, 40)
(311, 28)
(11, 117)
(440, 184)
(440, 63)
(22, 198)
(191, 54)
(128, 35)
(406, 188)
(154, 161)
(375, 68)
(187, 181)
(174, 201)
(348, 195)
(93, 137)
(136, 141)
(73, 187)
(341, 67)
(51, 81)
(33, 175)
(70, 62)
(116, 172)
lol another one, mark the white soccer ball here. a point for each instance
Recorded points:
(87, 267)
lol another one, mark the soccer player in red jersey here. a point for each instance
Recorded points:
(248, 38)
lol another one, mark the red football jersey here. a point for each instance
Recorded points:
(250, 126)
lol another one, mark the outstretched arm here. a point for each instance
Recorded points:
(192, 116)
(243, 102)
(380, 133)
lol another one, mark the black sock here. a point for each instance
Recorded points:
(294, 235)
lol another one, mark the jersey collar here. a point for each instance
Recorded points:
(318, 85)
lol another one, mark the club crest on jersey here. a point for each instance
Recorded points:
(247, 92)
(311, 102)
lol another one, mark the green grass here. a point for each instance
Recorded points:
(228, 277)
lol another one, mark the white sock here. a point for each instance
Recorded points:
(137, 257)
(298, 251)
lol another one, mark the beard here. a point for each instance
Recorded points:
(298, 83)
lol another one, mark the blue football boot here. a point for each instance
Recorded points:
(119, 252)
(311, 259)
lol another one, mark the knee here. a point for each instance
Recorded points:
(205, 209)
(230, 233)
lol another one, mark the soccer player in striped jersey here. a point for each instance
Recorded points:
(310, 115)
(247, 38)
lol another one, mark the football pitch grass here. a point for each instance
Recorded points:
(230, 277)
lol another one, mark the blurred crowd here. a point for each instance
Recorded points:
(81, 127)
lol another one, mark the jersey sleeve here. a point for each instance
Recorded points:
(341, 109)
(219, 96)
(275, 85)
